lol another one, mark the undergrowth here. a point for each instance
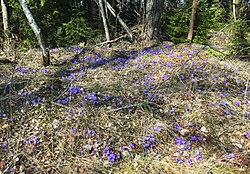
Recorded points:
(150, 110)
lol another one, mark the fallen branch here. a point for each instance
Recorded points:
(111, 41)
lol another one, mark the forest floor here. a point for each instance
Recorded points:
(158, 109)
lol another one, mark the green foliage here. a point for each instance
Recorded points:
(61, 21)
(240, 42)
(207, 17)
(75, 31)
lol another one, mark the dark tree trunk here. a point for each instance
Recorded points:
(153, 12)
(191, 25)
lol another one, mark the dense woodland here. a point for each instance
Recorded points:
(125, 86)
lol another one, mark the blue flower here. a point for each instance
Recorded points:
(237, 104)
(91, 132)
(111, 157)
(167, 46)
(165, 77)
(5, 144)
(223, 103)
(158, 128)
(45, 70)
(121, 60)
(195, 139)
(230, 155)
(74, 90)
(190, 161)
(178, 127)
(132, 146)
(180, 141)
(247, 134)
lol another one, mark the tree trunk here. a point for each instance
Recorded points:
(154, 9)
(37, 31)
(5, 26)
(191, 25)
(5, 18)
(104, 20)
(234, 10)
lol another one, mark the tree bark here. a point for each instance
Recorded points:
(6, 43)
(234, 10)
(5, 17)
(154, 9)
(37, 31)
(192, 19)
(104, 20)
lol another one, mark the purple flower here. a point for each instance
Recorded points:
(167, 46)
(178, 127)
(195, 139)
(158, 128)
(147, 145)
(112, 157)
(222, 103)
(5, 144)
(33, 102)
(123, 148)
(247, 134)
(91, 132)
(190, 161)
(121, 60)
(74, 90)
(165, 77)
(180, 141)
(230, 155)
(45, 70)
(171, 111)
(237, 104)
(73, 130)
(132, 146)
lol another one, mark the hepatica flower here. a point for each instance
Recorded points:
(45, 70)
(5, 144)
(230, 155)
(74, 90)
(165, 77)
(179, 141)
(112, 157)
(223, 103)
(247, 134)
(178, 127)
(237, 104)
(91, 132)
(121, 60)
(132, 146)
(158, 128)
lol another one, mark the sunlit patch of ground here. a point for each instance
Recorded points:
(150, 110)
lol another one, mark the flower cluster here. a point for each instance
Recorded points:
(74, 90)
(111, 155)
(31, 140)
(148, 142)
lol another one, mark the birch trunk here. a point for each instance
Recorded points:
(37, 31)
(6, 42)
(5, 18)
(234, 10)
(192, 19)
(104, 20)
